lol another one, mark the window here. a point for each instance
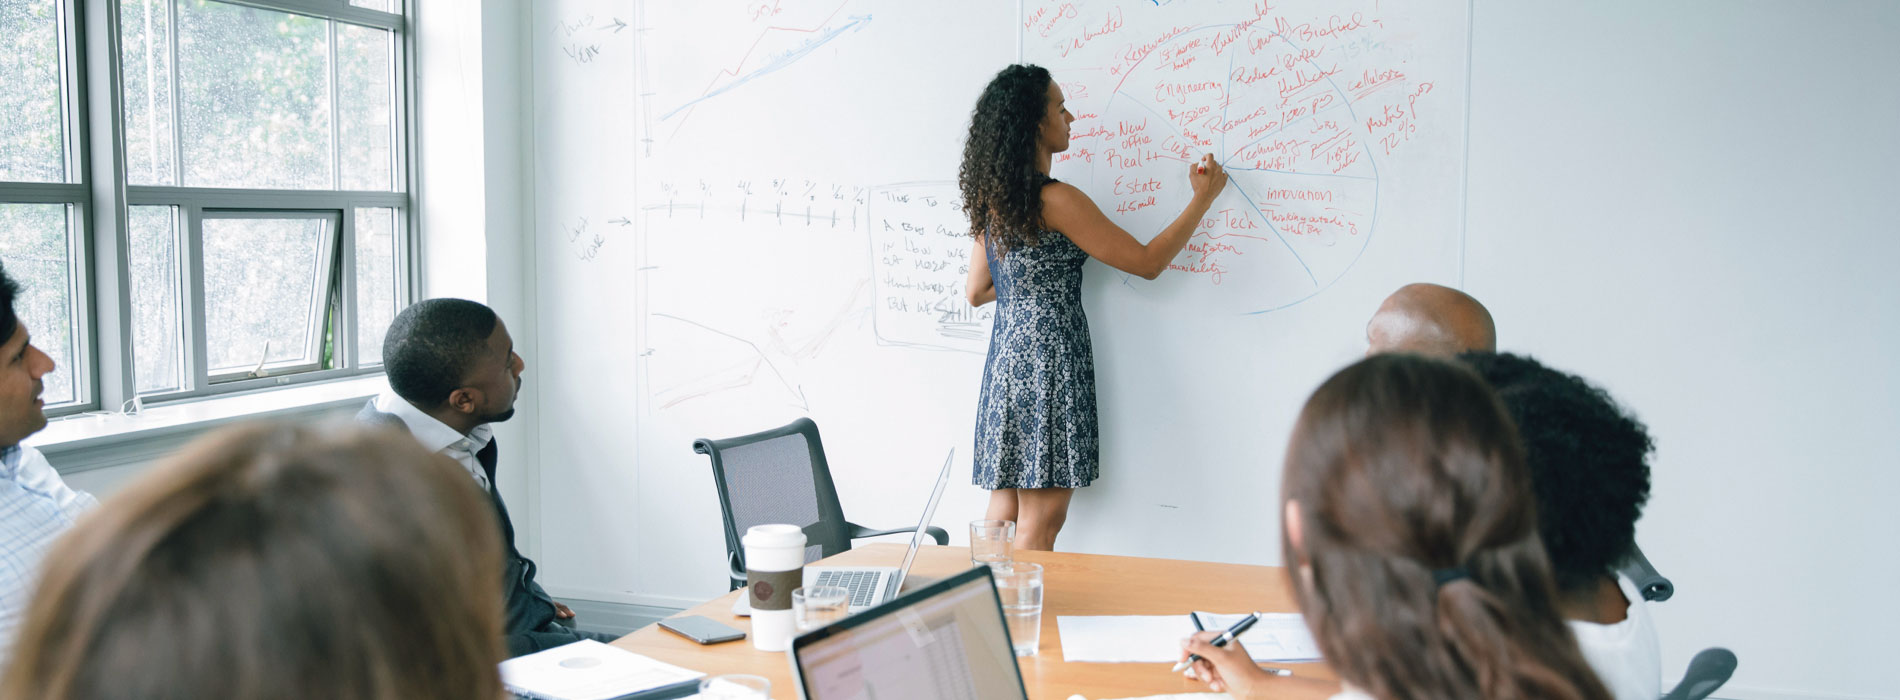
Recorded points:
(261, 236)
(43, 201)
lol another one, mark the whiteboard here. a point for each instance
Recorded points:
(1673, 202)
(748, 214)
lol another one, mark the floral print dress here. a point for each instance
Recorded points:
(1035, 421)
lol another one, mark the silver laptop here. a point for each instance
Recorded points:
(946, 641)
(871, 585)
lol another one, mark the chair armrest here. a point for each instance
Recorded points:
(1707, 671)
(857, 532)
(1652, 584)
(735, 574)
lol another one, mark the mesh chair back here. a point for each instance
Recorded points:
(777, 476)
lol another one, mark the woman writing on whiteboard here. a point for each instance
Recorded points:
(1036, 439)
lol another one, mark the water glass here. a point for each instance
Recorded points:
(1019, 584)
(735, 687)
(816, 606)
(990, 541)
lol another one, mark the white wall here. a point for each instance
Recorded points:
(475, 241)
(1695, 203)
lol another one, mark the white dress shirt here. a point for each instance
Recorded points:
(437, 436)
(36, 507)
(1626, 655)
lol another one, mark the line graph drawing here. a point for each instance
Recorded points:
(777, 41)
(776, 62)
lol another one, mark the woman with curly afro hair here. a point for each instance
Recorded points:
(1589, 466)
(1036, 439)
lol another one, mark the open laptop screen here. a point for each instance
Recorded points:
(943, 642)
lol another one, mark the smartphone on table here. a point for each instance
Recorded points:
(702, 629)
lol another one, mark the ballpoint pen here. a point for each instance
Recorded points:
(1221, 641)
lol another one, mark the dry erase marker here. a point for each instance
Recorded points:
(1221, 641)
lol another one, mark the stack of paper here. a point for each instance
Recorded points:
(590, 670)
(1280, 637)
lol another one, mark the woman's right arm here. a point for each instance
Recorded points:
(1068, 210)
(978, 286)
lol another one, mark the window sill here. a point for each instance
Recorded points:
(97, 441)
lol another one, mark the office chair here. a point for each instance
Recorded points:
(1711, 667)
(780, 476)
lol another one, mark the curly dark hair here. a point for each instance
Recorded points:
(1589, 463)
(431, 347)
(1002, 190)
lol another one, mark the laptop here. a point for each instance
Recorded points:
(946, 641)
(871, 585)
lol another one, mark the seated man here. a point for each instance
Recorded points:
(1431, 320)
(36, 507)
(1589, 469)
(452, 371)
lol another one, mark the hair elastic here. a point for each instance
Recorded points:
(1444, 576)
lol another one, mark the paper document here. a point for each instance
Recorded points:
(1281, 637)
(589, 670)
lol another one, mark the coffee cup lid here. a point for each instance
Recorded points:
(774, 536)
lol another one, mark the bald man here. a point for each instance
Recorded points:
(1431, 320)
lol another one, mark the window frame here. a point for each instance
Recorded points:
(77, 193)
(100, 194)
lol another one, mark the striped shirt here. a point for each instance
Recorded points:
(36, 507)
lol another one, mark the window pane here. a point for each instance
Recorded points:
(32, 127)
(145, 54)
(365, 69)
(384, 5)
(34, 247)
(375, 281)
(158, 345)
(254, 97)
(263, 284)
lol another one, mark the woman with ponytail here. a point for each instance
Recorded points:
(1036, 438)
(1410, 533)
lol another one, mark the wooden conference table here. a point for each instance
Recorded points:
(1073, 584)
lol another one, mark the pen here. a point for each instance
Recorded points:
(1221, 641)
(1281, 672)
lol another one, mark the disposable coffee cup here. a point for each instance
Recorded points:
(775, 566)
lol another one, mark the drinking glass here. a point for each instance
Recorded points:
(735, 687)
(816, 606)
(1019, 584)
(990, 541)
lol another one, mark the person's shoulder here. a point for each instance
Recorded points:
(1061, 194)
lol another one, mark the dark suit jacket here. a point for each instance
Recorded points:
(527, 607)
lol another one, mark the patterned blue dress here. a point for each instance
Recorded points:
(1035, 421)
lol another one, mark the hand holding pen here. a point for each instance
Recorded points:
(1225, 663)
(1221, 641)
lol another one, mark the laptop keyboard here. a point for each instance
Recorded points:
(862, 584)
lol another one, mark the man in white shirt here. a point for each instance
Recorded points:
(36, 507)
(452, 371)
(1589, 468)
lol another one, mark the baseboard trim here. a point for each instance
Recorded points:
(1743, 692)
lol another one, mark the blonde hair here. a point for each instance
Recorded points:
(273, 561)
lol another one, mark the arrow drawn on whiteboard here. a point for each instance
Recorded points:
(616, 26)
(620, 221)
(764, 360)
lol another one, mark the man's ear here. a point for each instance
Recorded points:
(465, 399)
